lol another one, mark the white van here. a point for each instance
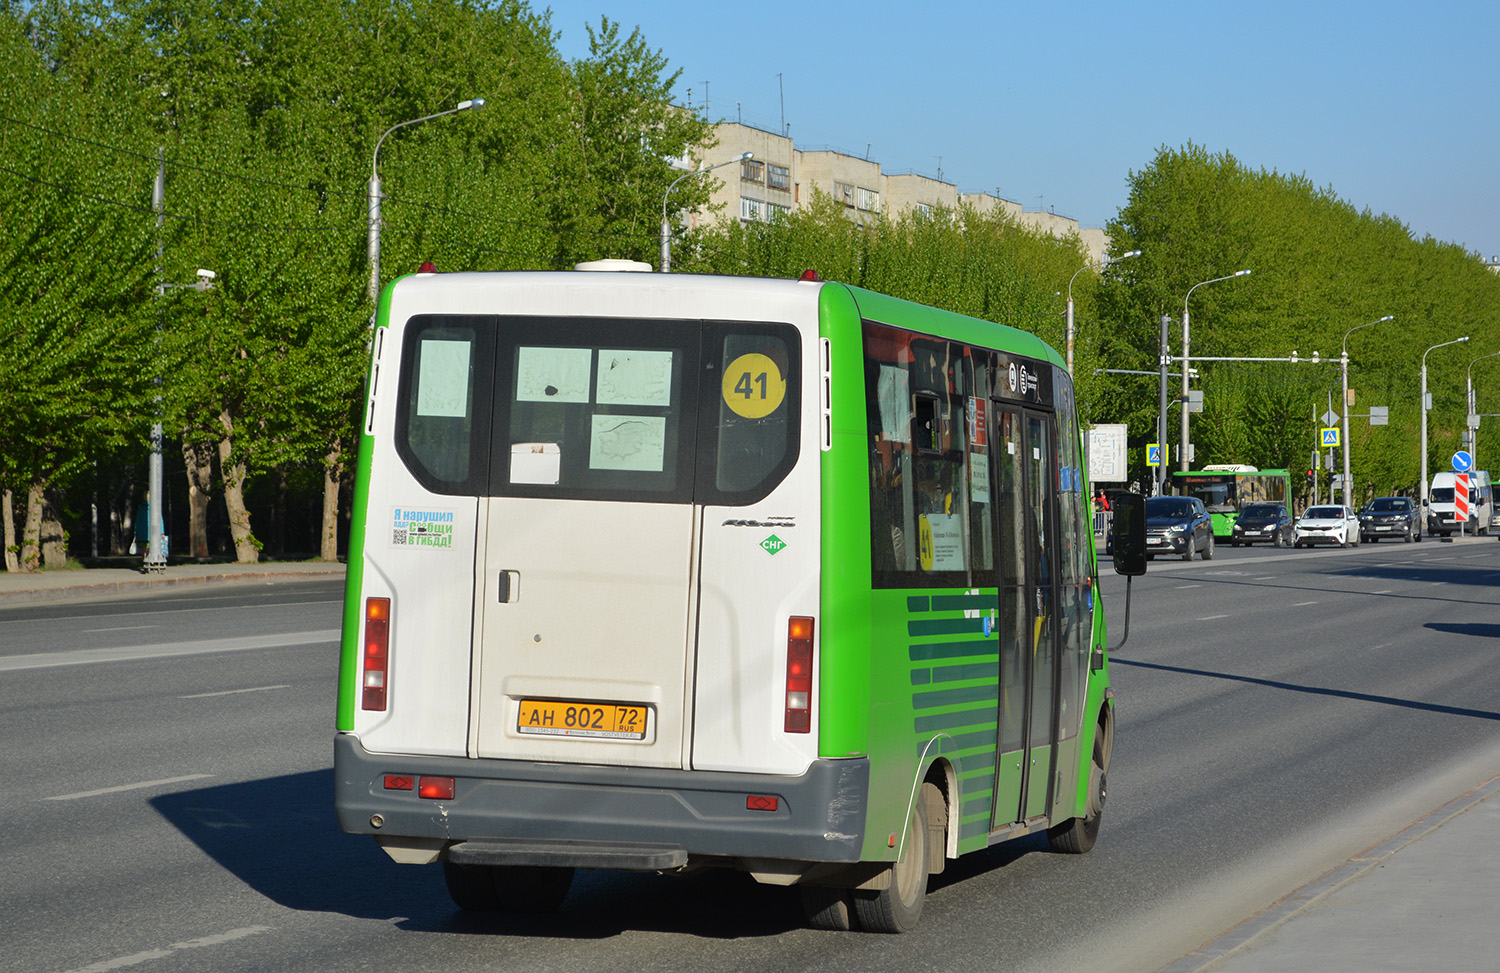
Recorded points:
(1441, 518)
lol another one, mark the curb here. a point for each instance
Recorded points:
(73, 592)
(1207, 956)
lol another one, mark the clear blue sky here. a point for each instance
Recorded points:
(1393, 105)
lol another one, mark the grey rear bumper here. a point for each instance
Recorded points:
(819, 815)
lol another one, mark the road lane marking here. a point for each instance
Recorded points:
(127, 787)
(118, 628)
(44, 660)
(1304, 604)
(1182, 586)
(1211, 618)
(135, 959)
(232, 692)
(1382, 591)
(1266, 577)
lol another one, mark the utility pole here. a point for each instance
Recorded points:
(156, 556)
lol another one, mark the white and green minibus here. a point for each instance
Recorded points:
(654, 572)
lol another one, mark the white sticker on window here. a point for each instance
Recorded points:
(535, 463)
(628, 443)
(941, 542)
(553, 374)
(979, 478)
(635, 378)
(443, 378)
(895, 405)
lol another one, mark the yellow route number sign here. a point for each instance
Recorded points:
(753, 386)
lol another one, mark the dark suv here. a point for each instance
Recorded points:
(1178, 525)
(1390, 517)
(1262, 522)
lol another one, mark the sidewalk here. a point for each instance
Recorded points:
(1423, 899)
(17, 588)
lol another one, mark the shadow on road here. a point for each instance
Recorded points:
(1322, 691)
(279, 836)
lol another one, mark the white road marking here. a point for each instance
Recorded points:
(233, 692)
(1210, 618)
(44, 660)
(119, 628)
(128, 787)
(1304, 604)
(135, 959)
(1382, 591)
(1182, 586)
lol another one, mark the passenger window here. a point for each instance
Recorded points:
(754, 437)
(440, 432)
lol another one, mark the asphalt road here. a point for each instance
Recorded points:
(170, 809)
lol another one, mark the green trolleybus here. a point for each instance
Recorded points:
(653, 572)
(1226, 490)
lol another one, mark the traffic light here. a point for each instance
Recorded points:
(1309, 477)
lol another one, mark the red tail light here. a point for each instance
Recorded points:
(377, 654)
(436, 788)
(799, 669)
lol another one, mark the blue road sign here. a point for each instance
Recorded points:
(1462, 462)
(1331, 436)
(1153, 454)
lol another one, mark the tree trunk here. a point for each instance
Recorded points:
(200, 477)
(53, 541)
(31, 550)
(328, 549)
(12, 563)
(245, 549)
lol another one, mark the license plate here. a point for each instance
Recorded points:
(571, 718)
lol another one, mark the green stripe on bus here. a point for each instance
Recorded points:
(945, 626)
(917, 603)
(952, 650)
(966, 718)
(953, 603)
(955, 697)
(973, 670)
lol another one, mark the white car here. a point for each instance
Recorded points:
(1327, 524)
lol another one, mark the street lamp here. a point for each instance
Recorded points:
(1183, 450)
(374, 241)
(666, 226)
(1472, 421)
(1102, 265)
(156, 554)
(1344, 384)
(1423, 481)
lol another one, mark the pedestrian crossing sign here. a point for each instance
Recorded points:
(1330, 435)
(1155, 455)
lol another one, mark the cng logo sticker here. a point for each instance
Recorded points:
(773, 545)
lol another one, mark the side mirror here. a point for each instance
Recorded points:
(1424, 503)
(1129, 537)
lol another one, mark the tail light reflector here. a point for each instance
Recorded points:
(799, 667)
(436, 788)
(377, 652)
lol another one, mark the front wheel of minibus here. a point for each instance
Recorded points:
(898, 908)
(1077, 835)
(506, 888)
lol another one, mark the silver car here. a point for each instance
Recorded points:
(1327, 524)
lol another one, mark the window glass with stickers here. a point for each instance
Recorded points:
(600, 409)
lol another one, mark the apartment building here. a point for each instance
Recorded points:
(781, 178)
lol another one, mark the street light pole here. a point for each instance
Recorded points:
(1104, 264)
(374, 227)
(1182, 451)
(1423, 479)
(666, 225)
(1474, 410)
(1344, 385)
